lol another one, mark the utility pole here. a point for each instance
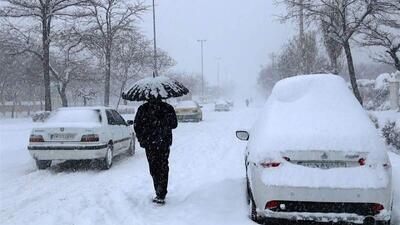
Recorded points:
(218, 64)
(202, 65)
(155, 73)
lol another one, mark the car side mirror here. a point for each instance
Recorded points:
(242, 135)
(129, 122)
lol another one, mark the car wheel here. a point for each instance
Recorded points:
(253, 212)
(43, 164)
(248, 197)
(108, 160)
(131, 150)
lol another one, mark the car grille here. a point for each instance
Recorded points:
(363, 209)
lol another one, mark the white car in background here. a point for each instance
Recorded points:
(314, 155)
(222, 105)
(188, 111)
(79, 133)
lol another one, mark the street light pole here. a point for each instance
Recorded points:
(202, 65)
(218, 64)
(155, 73)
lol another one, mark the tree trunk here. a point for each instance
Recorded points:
(335, 65)
(14, 105)
(120, 92)
(352, 73)
(46, 62)
(63, 94)
(84, 101)
(396, 59)
(107, 77)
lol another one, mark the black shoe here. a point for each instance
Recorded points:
(159, 200)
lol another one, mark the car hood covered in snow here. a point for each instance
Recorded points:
(314, 112)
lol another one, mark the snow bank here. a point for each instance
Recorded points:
(314, 112)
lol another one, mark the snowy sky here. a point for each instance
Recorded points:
(242, 33)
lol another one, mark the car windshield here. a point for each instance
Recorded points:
(221, 102)
(75, 116)
(187, 104)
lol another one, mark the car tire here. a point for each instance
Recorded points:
(43, 164)
(108, 159)
(132, 150)
(248, 192)
(253, 212)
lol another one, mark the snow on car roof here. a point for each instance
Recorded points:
(84, 107)
(186, 104)
(221, 102)
(75, 116)
(314, 112)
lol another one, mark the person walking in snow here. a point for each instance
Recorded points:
(154, 122)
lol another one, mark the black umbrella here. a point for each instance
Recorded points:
(160, 87)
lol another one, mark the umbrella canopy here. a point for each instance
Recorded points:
(155, 88)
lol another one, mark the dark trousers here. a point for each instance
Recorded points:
(158, 164)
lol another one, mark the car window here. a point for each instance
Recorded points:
(110, 118)
(119, 120)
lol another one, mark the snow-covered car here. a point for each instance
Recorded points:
(230, 103)
(222, 105)
(188, 111)
(314, 155)
(79, 133)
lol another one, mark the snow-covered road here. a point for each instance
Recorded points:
(206, 180)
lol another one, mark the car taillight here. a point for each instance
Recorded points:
(386, 165)
(270, 164)
(36, 138)
(286, 158)
(377, 207)
(272, 205)
(361, 162)
(90, 138)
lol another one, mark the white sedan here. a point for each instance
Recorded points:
(222, 106)
(314, 155)
(79, 133)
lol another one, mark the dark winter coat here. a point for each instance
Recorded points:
(153, 124)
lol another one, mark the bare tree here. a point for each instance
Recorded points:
(352, 15)
(333, 48)
(384, 32)
(131, 60)
(107, 20)
(45, 12)
(290, 61)
(68, 64)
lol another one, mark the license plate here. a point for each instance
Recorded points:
(323, 165)
(62, 136)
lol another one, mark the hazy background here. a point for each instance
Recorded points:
(243, 33)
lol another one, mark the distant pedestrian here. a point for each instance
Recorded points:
(153, 125)
(247, 102)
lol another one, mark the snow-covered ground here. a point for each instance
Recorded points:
(206, 180)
